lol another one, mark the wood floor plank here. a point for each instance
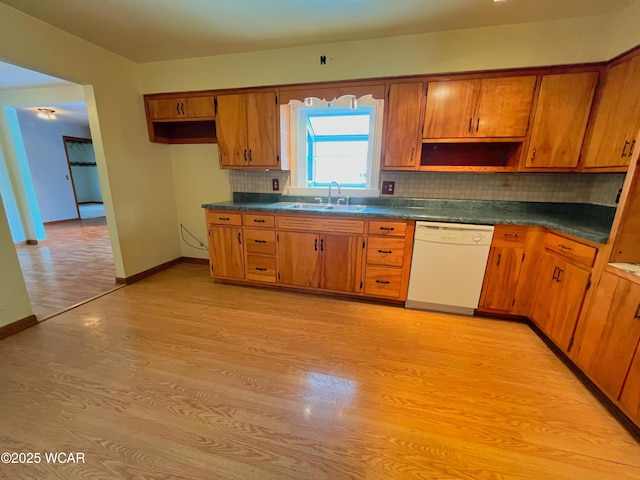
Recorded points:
(179, 377)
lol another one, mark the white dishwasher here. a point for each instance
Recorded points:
(447, 268)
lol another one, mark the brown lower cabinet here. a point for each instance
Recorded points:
(329, 253)
(607, 348)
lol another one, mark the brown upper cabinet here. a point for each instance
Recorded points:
(617, 118)
(181, 108)
(187, 118)
(560, 120)
(247, 130)
(402, 135)
(482, 108)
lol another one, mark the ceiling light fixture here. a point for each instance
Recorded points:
(46, 113)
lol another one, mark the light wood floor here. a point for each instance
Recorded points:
(176, 377)
(74, 263)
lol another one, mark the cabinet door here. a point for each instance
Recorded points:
(231, 128)
(199, 107)
(504, 107)
(226, 252)
(262, 129)
(341, 262)
(451, 108)
(298, 258)
(560, 120)
(611, 333)
(559, 298)
(503, 271)
(630, 396)
(166, 108)
(617, 118)
(402, 141)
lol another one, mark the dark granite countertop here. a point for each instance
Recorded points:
(587, 221)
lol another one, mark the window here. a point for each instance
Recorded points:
(337, 140)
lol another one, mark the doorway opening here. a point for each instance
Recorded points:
(49, 170)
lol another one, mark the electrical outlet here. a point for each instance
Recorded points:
(388, 187)
(275, 184)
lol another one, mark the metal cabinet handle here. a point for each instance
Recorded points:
(564, 247)
(315, 246)
(478, 125)
(470, 124)
(508, 236)
(178, 108)
(258, 220)
(637, 315)
(260, 269)
(182, 106)
(560, 272)
(498, 262)
(624, 149)
(245, 155)
(633, 146)
(224, 219)
(388, 229)
(383, 282)
(385, 251)
(240, 238)
(413, 151)
(322, 244)
(260, 241)
(533, 154)
(555, 273)
(250, 156)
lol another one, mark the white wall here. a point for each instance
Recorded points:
(14, 300)
(48, 163)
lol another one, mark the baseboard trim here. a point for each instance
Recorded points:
(198, 261)
(18, 325)
(66, 220)
(604, 400)
(147, 273)
(32, 242)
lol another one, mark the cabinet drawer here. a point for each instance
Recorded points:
(260, 241)
(391, 229)
(320, 224)
(256, 220)
(223, 218)
(383, 282)
(509, 236)
(570, 249)
(385, 251)
(261, 268)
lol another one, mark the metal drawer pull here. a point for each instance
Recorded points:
(633, 146)
(533, 155)
(245, 154)
(239, 238)
(383, 282)
(555, 274)
(315, 246)
(389, 229)
(385, 251)
(257, 220)
(260, 241)
(560, 272)
(478, 125)
(564, 247)
(224, 219)
(509, 236)
(624, 149)
(498, 262)
(261, 269)
(470, 124)
(637, 315)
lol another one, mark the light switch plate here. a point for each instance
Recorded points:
(388, 187)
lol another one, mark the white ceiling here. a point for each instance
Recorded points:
(17, 77)
(153, 30)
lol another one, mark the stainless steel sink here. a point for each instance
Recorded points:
(320, 207)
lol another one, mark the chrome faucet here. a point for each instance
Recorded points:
(330, 185)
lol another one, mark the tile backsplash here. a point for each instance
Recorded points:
(601, 189)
